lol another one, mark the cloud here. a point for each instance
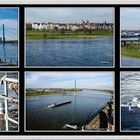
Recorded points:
(69, 14)
(128, 16)
(66, 79)
(60, 11)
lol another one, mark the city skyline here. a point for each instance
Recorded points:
(98, 80)
(130, 18)
(69, 15)
(9, 17)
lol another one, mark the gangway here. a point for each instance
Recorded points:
(9, 83)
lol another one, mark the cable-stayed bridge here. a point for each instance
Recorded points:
(8, 46)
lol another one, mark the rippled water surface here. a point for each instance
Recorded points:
(80, 52)
(9, 52)
(129, 61)
(130, 86)
(84, 105)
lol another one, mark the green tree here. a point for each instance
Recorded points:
(44, 35)
(28, 26)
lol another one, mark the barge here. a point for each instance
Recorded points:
(59, 104)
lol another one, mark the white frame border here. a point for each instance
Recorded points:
(13, 131)
(18, 34)
(80, 131)
(78, 6)
(122, 7)
(126, 131)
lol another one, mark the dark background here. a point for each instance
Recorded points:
(21, 69)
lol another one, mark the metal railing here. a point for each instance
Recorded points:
(5, 81)
(8, 61)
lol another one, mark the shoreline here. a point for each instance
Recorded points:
(132, 53)
(62, 92)
(133, 57)
(50, 93)
(43, 35)
(68, 38)
(93, 123)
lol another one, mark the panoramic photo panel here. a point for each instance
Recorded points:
(69, 101)
(130, 37)
(9, 101)
(69, 37)
(130, 101)
(9, 36)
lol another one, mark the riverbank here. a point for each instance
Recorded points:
(104, 90)
(41, 35)
(130, 52)
(101, 120)
(52, 92)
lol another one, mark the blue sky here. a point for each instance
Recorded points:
(9, 17)
(101, 80)
(68, 15)
(130, 18)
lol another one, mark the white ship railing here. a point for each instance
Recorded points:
(5, 80)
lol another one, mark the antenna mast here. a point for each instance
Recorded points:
(3, 34)
(75, 86)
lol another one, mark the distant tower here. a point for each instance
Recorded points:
(3, 34)
(75, 88)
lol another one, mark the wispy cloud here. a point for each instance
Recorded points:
(60, 11)
(130, 18)
(69, 14)
(66, 79)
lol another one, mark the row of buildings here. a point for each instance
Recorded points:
(70, 26)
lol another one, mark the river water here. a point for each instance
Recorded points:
(9, 52)
(130, 61)
(130, 88)
(84, 106)
(79, 52)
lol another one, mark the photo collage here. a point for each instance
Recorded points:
(69, 69)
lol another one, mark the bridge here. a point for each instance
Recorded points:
(126, 41)
(4, 61)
